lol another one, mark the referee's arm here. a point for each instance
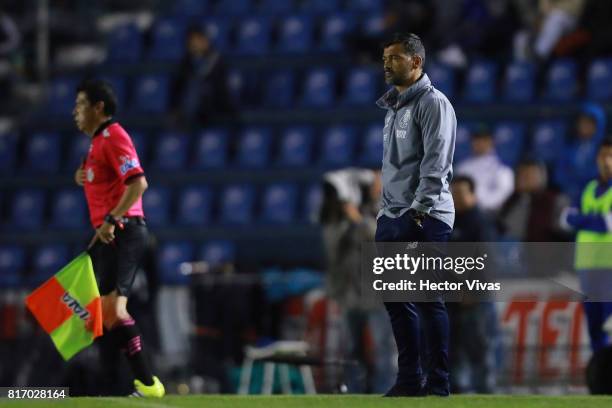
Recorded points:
(135, 187)
(438, 127)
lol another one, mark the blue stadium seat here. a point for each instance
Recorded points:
(373, 24)
(334, 29)
(48, 260)
(171, 255)
(599, 80)
(365, 5)
(151, 94)
(270, 7)
(321, 6)
(548, 139)
(279, 89)
(8, 152)
(211, 149)
(27, 209)
(561, 81)
(233, 7)
(319, 88)
(125, 44)
(509, 141)
(313, 197)
(141, 144)
(254, 148)
(361, 86)
(79, 146)
(218, 30)
(190, 8)
(218, 251)
(463, 142)
(168, 40)
(519, 82)
(480, 82)
(69, 209)
(242, 85)
(42, 153)
(295, 34)
(194, 206)
(296, 146)
(12, 265)
(172, 151)
(253, 36)
(279, 203)
(338, 146)
(372, 145)
(442, 78)
(156, 205)
(237, 203)
(62, 93)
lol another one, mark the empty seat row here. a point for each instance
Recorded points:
(271, 7)
(486, 82)
(249, 35)
(193, 205)
(212, 148)
(21, 266)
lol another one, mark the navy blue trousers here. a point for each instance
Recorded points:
(408, 318)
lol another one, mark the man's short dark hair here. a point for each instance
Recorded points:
(411, 42)
(96, 91)
(465, 179)
(607, 142)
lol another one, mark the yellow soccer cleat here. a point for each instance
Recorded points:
(155, 390)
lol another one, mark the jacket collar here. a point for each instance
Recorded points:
(393, 99)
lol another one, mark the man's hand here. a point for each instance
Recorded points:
(79, 176)
(418, 217)
(106, 233)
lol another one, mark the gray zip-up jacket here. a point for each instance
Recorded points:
(419, 143)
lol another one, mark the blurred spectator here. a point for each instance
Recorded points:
(471, 356)
(471, 225)
(348, 216)
(494, 180)
(200, 87)
(558, 17)
(555, 20)
(531, 213)
(575, 166)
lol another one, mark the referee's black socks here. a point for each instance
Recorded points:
(127, 335)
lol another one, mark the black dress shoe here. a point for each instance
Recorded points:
(403, 391)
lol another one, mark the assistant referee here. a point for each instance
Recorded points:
(114, 182)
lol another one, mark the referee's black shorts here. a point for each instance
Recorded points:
(115, 264)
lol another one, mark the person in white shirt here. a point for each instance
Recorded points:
(494, 180)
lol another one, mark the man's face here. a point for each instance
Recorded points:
(482, 145)
(84, 113)
(529, 178)
(198, 44)
(463, 197)
(586, 127)
(604, 162)
(398, 65)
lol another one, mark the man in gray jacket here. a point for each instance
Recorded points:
(419, 142)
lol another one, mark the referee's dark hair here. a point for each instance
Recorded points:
(607, 142)
(465, 179)
(99, 91)
(411, 42)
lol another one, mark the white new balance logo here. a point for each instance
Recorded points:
(400, 134)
